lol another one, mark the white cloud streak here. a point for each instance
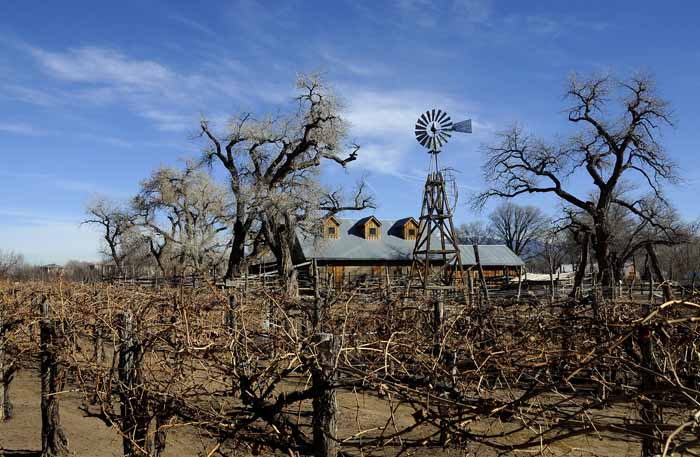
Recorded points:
(170, 99)
(19, 128)
(99, 65)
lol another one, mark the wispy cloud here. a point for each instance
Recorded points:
(99, 65)
(547, 25)
(427, 13)
(29, 95)
(25, 129)
(169, 122)
(348, 65)
(20, 128)
(152, 90)
(476, 11)
(24, 217)
(192, 24)
(57, 182)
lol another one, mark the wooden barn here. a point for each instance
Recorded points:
(354, 250)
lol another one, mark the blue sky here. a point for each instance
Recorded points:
(94, 95)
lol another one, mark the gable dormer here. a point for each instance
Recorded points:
(371, 228)
(331, 228)
(410, 229)
(406, 229)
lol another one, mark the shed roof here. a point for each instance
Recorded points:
(351, 245)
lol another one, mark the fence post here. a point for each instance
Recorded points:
(482, 278)
(99, 345)
(317, 303)
(5, 373)
(438, 318)
(230, 318)
(325, 408)
(134, 410)
(650, 413)
(54, 441)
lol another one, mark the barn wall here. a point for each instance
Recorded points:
(343, 272)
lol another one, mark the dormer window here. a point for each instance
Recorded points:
(331, 228)
(406, 228)
(370, 227)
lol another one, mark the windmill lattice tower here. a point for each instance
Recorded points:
(437, 261)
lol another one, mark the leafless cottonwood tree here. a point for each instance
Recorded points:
(182, 215)
(273, 165)
(552, 252)
(518, 226)
(475, 232)
(620, 122)
(114, 221)
(10, 263)
(655, 224)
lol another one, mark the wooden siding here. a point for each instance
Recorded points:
(340, 272)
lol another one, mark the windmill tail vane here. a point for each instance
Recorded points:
(463, 127)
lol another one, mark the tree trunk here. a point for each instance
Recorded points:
(158, 255)
(116, 257)
(54, 441)
(133, 403)
(285, 265)
(602, 254)
(692, 282)
(581, 271)
(325, 408)
(237, 254)
(656, 269)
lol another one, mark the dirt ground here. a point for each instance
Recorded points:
(90, 437)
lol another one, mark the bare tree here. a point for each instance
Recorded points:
(114, 222)
(10, 263)
(518, 226)
(475, 232)
(610, 146)
(553, 252)
(655, 224)
(273, 166)
(182, 214)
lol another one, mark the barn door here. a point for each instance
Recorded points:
(337, 276)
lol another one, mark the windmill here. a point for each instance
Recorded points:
(437, 261)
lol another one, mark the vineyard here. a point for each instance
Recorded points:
(222, 372)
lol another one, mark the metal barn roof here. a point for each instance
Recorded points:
(351, 245)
